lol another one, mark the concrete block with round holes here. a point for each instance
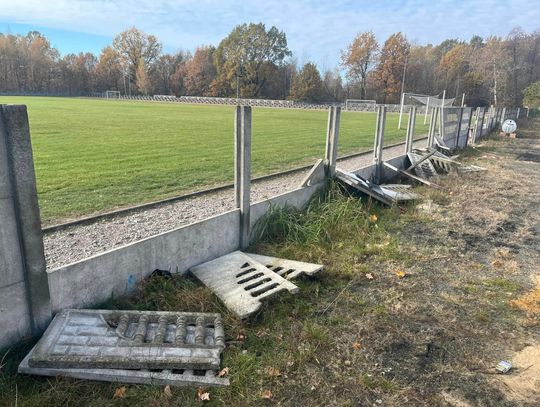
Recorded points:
(288, 269)
(101, 339)
(241, 282)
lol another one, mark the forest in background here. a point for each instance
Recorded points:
(256, 62)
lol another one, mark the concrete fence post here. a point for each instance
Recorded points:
(242, 173)
(480, 125)
(409, 139)
(458, 129)
(379, 140)
(332, 136)
(432, 126)
(25, 307)
(475, 128)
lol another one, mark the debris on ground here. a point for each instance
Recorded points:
(243, 280)
(503, 366)
(131, 347)
(387, 194)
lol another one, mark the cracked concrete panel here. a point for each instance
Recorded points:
(288, 269)
(173, 377)
(241, 282)
(130, 340)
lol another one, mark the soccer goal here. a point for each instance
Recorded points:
(112, 94)
(416, 99)
(360, 104)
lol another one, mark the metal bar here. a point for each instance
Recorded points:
(410, 130)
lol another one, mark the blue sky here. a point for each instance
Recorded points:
(316, 30)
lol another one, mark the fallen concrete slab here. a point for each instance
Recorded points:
(421, 164)
(172, 377)
(241, 282)
(288, 269)
(94, 339)
(387, 194)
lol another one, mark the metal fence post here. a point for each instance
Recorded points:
(242, 173)
(332, 135)
(409, 140)
(379, 139)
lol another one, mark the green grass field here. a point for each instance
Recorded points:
(95, 155)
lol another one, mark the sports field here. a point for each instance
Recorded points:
(94, 155)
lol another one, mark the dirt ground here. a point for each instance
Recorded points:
(415, 307)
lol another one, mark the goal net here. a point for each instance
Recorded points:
(112, 94)
(415, 99)
(360, 105)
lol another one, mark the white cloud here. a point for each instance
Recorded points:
(315, 29)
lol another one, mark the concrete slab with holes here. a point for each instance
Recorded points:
(241, 282)
(288, 269)
(172, 377)
(95, 339)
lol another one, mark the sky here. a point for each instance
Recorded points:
(316, 30)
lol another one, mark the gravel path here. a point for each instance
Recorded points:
(80, 241)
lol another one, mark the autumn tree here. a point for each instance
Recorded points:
(494, 64)
(200, 72)
(453, 66)
(307, 85)
(359, 58)
(135, 47)
(108, 71)
(163, 77)
(244, 56)
(141, 78)
(333, 86)
(389, 72)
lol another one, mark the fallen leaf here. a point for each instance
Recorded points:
(400, 273)
(262, 333)
(497, 263)
(357, 346)
(119, 393)
(202, 394)
(273, 372)
(373, 218)
(241, 336)
(267, 395)
(223, 372)
(369, 276)
(167, 391)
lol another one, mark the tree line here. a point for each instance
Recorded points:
(255, 62)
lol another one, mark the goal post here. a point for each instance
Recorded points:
(112, 94)
(360, 104)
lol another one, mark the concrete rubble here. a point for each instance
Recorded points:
(387, 194)
(162, 348)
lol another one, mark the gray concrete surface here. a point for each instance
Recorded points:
(288, 269)
(175, 377)
(22, 260)
(102, 339)
(241, 282)
(115, 272)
